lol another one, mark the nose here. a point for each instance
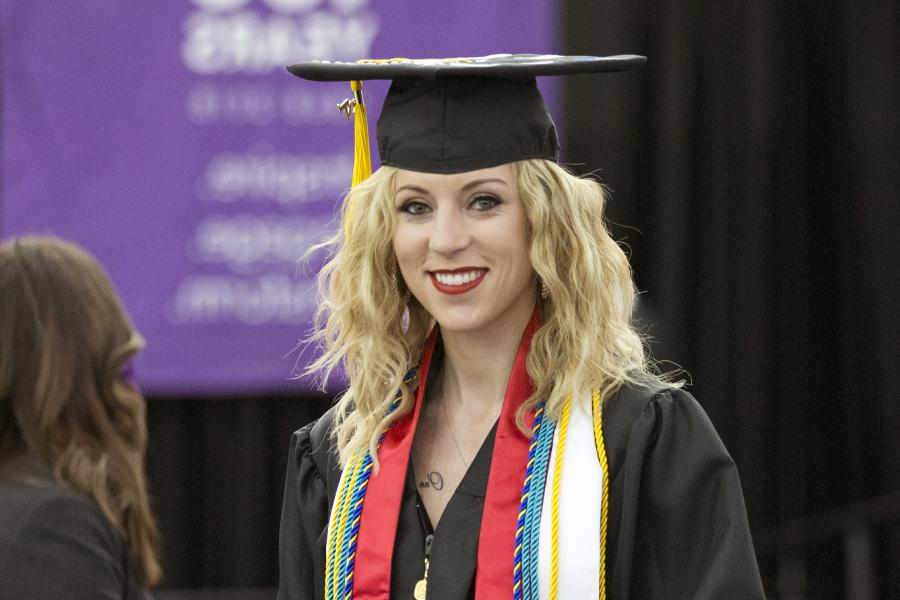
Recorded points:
(449, 233)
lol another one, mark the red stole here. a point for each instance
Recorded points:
(381, 506)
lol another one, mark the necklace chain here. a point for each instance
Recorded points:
(450, 426)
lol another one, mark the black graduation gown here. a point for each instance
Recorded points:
(677, 521)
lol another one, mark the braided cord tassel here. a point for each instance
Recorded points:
(554, 499)
(518, 578)
(597, 411)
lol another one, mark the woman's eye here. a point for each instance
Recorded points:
(485, 202)
(414, 207)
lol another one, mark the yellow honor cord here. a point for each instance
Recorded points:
(554, 498)
(599, 442)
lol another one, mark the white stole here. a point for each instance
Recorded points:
(581, 491)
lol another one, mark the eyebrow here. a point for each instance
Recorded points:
(465, 188)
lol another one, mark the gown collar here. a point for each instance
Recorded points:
(381, 504)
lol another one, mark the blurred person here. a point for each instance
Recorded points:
(75, 520)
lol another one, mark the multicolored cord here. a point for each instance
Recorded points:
(521, 585)
(525, 561)
(344, 522)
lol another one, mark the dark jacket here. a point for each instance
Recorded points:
(55, 542)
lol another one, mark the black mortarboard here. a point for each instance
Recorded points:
(459, 114)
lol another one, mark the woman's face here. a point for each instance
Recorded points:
(462, 245)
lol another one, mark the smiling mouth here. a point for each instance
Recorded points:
(458, 281)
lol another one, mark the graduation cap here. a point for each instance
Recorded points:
(457, 114)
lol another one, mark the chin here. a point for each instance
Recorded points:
(461, 321)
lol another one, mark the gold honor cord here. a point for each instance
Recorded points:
(600, 443)
(554, 498)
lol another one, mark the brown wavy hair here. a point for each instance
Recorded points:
(64, 341)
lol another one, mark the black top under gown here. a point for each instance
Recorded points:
(677, 521)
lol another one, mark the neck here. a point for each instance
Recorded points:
(477, 365)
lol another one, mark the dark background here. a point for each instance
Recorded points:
(754, 165)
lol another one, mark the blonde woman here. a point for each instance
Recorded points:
(75, 520)
(502, 435)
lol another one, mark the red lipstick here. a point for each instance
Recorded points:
(462, 288)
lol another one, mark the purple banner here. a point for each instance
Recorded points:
(168, 139)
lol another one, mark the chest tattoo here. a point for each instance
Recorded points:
(433, 480)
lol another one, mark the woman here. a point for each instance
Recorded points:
(75, 519)
(502, 434)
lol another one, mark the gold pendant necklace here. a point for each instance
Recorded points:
(421, 589)
(422, 585)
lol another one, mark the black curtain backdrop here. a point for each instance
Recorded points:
(755, 170)
(754, 165)
(216, 467)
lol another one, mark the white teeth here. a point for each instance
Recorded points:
(458, 278)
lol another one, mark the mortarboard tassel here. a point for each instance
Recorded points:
(362, 158)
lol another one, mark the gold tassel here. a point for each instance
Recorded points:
(362, 158)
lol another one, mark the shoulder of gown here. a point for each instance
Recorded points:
(313, 473)
(678, 524)
(58, 543)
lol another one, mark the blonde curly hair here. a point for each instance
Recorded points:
(369, 323)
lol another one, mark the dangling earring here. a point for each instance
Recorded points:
(394, 284)
(545, 291)
(404, 318)
(404, 299)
